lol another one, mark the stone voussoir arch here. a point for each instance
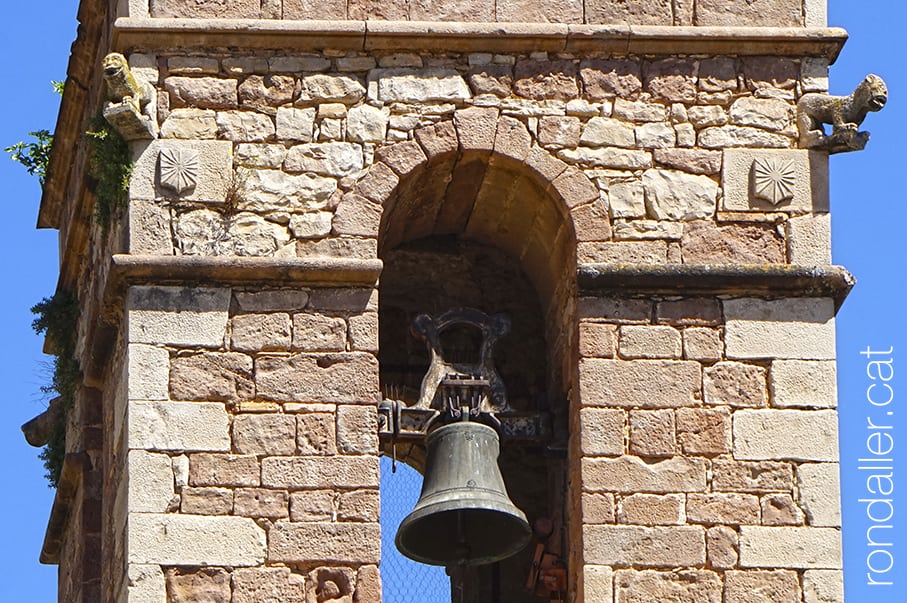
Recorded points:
(477, 132)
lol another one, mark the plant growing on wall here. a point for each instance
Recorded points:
(56, 316)
(56, 319)
(110, 164)
(35, 155)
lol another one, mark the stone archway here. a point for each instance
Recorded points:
(478, 186)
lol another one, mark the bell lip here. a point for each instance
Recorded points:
(512, 512)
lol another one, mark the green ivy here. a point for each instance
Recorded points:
(56, 318)
(110, 165)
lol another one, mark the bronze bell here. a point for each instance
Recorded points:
(464, 516)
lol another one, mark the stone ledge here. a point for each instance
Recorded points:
(130, 33)
(129, 270)
(740, 280)
(68, 486)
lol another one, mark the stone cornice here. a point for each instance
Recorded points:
(134, 33)
(773, 280)
(129, 270)
(64, 499)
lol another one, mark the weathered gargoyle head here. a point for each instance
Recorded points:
(114, 65)
(877, 92)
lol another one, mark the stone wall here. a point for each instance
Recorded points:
(297, 130)
(708, 441)
(784, 13)
(231, 310)
(250, 439)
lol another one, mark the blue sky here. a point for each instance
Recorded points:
(869, 239)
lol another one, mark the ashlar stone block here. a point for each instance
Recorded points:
(261, 502)
(602, 431)
(433, 84)
(605, 382)
(644, 546)
(807, 174)
(211, 176)
(224, 470)
(809, 240)
(267, 584)
(800, 328)
(596, 583)
(275, 190)
(146, 584)
(178, 426)
(597, 508)
(786, 434)
(775, 13)
(312, 472)
(357, 428)
(248, 9)
(651, 509)
(778, 586)
(148, 372)
(212, 376)
(693, 586)
(722, 508)
(823, 586)
(194, 540)
(734, 384)
(646, 12)
(149, 479)
(631, 474)
(676, 195)
(819, 487)
(704, 431)
(650, 342)
(261, 332)
(206, 501)
(336, 159)
(340, 377)
(701, 343)
(721, 547)
(744, 476)
(292, 542)
(803, 384)
(316, 332)
(190, 124)
(790, 547)
(190, 584)
(269, 434)
(653, 433)
(295, 124)
(177, 316)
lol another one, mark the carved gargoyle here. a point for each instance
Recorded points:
(843, 113)
(131, 105)
(38, 430)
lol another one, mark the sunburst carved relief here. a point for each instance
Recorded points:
(179, 169)
(774, 179)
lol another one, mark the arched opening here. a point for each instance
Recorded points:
(471, 228)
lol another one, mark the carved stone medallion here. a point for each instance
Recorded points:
(179, 169)
(773, 179)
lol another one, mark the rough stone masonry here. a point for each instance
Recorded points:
(637, 162)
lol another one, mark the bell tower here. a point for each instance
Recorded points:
(331, 204)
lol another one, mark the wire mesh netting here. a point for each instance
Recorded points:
(403, 580)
